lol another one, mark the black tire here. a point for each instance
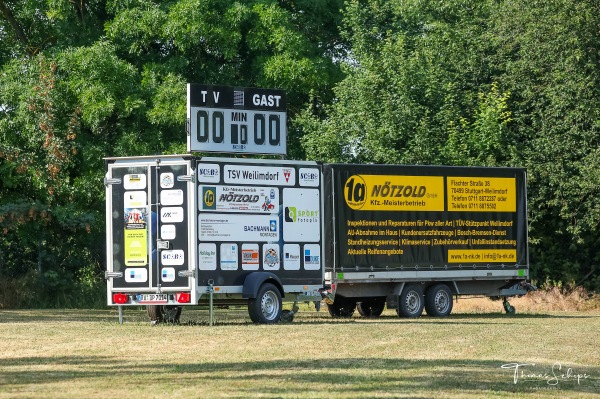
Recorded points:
(342, 307)
(267, 307)
(371, 307)
(411, 301)
(164, 313)
(438, 301)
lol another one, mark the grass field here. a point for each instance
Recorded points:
(87, 354)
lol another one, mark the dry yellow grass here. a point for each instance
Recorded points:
(553, 299)
(86, 353)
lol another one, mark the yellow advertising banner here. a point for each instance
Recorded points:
(482, 194)
(394, 193)
(482, 255)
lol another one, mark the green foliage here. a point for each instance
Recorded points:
(488, 83)
(80, 81)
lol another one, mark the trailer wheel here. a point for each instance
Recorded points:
(371, 307)
(164, 314)
(266, 308)
(410, 303)
(438, 301)
(342, 307)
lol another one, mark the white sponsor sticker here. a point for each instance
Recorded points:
(271, 257)
(309, 177)
(229, 256)
(135, 199)
(173, 257)
(291, 256)
(167, 231)
(136, 275)
(173, 214)
(245, 199)
(207, 256)
(231, 227)
(134, 182)
(208, 173)
(250, 257)
(312, 257)
(264, 175)
(171, 197)
(167, 274)
(167, 180)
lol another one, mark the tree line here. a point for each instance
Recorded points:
(496, 83)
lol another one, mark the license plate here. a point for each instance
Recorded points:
(152, 298)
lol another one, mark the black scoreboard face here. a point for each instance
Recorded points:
(236, 120)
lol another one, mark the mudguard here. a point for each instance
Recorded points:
(256, 279)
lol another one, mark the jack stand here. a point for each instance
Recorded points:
(120, 314)
(508, 308)
(210, 302)
(288, 315)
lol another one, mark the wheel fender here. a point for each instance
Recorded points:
(254, 280)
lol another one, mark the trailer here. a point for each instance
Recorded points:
(184, 230)
(413, 237)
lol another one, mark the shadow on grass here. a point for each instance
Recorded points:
(356, 377)
(239, 316)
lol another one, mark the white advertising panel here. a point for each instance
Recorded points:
(209, 173)
(134, 182)
(266, 175)
(207, 256)
(167, 274)
(136, 275)
(291, 256)
(309, 177)
(232, 227)
(238, 199)
(271, 257)
(173, 257)
(229, 256)
(135, 199)
(167, 231)
(312, 257)
(171, 197)
(250, 257)
(167, 180)
(301, 215)
(171, 214)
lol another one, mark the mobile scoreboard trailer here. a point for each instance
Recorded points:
(183, 230)
(415, 236)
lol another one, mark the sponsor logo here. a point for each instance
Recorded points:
(293, 214)
(311, 258)
(271, 259)
(286, 174)
(208, 195)
(289, 256)
(290, 214)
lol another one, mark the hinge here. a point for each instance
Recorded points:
(108, 275)
(114, 180)
(187, 273)
(188, 178)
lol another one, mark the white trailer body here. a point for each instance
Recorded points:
(182, 228)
